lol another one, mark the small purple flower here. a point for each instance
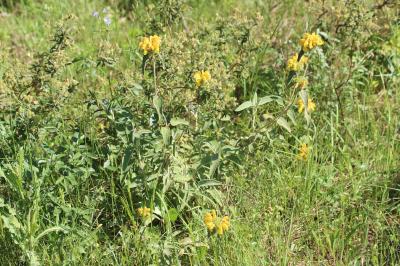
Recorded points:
(105, 10)
(107, 20)
(95, 14)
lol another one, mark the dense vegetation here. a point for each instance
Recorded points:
(194, 132)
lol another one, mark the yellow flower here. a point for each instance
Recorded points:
(144, 212)
(301, 82)
(150, 44)
(155, 43)
(294, 64)
(220, 225)
(223, 225)
(209, 220)
(201, 77)
(145, 45)
(310, 41)
(303, 153)
(310, 105)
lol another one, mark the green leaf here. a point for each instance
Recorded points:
(172, 215)
(157, 102)
(166, 134)
(283, 123)
(209, 183)
(304, 97)
(48, 231)
(182, 178)
(178, 121)
(267, 116)
(265, 100)
(12, 224)
(291, 115)
(244, 106)
(14, 179)
(136, 89)
(216, 195)
(213, 167)
(127, 159)
(141, 132)
(255, 99)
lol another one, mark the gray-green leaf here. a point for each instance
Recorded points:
(283, 123)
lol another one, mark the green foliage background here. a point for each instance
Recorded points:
(91, 130)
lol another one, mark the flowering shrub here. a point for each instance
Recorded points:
(135, 137)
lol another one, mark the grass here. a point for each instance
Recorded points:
(104, 131)
(343, 201)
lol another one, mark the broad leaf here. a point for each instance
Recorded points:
(244, 106)
(283, 123)
(178, 121)
(265, 100)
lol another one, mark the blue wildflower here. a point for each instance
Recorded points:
(107, 20)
